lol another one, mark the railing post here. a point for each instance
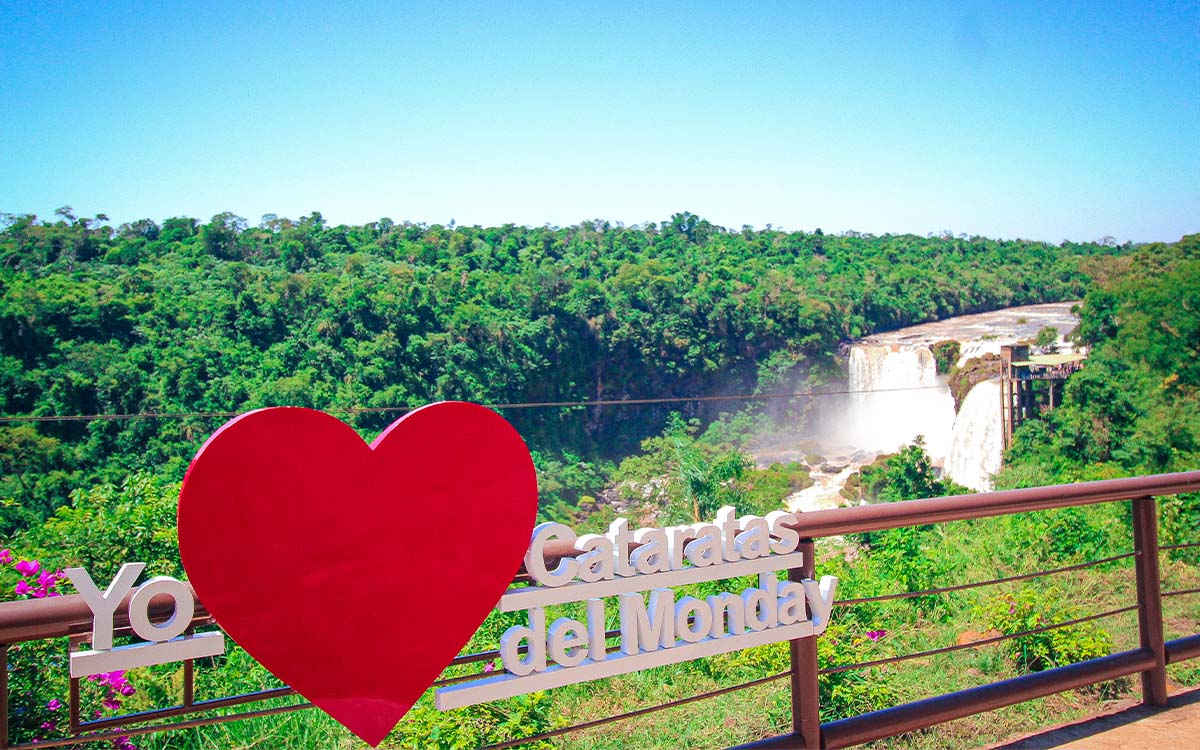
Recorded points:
(1149, 593)
(806, 700)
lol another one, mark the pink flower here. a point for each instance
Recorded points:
(5, 556)
(111, 703)
(22, 588)
(491, 667)
(127, 690)
(47, 725)
(47, 578)
(28, 567)
(54, 704)
(875, 635)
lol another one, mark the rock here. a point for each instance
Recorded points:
(972, 636)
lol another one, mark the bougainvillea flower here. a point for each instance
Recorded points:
(28, 567)
(22, 588)
(875, 635)
(6, 556)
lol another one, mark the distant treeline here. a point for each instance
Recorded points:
(192, 317)
(1135, 406)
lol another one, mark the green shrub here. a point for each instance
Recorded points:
(854, 691)
(1179, 523)
(946, 354)
(1032, 608)
(426, 728)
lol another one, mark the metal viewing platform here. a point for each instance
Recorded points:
(1020, 399)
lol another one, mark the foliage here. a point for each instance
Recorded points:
(911, 557)
(1030, 609)
(109, 525)
(192, 317)
(765, 490)
(1179, 523)
(906, 475)
(1047, 339)
(946, 354)
(564, 480)
(685, 479)
(37, 686)
(973, 371)
(1133, 407)
(486, 724)
(853, 691)
(1070, 535)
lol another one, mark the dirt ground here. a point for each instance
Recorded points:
(1126, 725)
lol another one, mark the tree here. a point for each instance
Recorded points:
(1047, 339)
(220, 236)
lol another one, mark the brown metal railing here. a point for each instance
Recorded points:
(69, 617)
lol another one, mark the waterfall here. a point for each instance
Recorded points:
(897, 395)
(976, 445)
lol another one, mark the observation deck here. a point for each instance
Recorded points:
(1020, 399)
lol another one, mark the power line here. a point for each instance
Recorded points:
(33, 418)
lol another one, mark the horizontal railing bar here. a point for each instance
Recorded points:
(976, 644)
(134, 731)
(881, 516)
(1168, 547)
(993, 582)
(841, 521)
(636, 712)
(901, 719)
(1180, 592)
(1182, 649)
(196, 707)
(909, 717)
(464, 678)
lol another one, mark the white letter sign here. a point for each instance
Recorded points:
(664, 630)
(167, 642)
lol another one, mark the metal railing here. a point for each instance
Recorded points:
(69, 617)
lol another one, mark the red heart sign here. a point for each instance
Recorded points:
(355, 573)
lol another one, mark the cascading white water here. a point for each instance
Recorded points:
(897, 395)
(976, 443)
(846, 431)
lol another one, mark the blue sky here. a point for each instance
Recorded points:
(1007, 120)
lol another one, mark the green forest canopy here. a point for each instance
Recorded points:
(185, 317)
